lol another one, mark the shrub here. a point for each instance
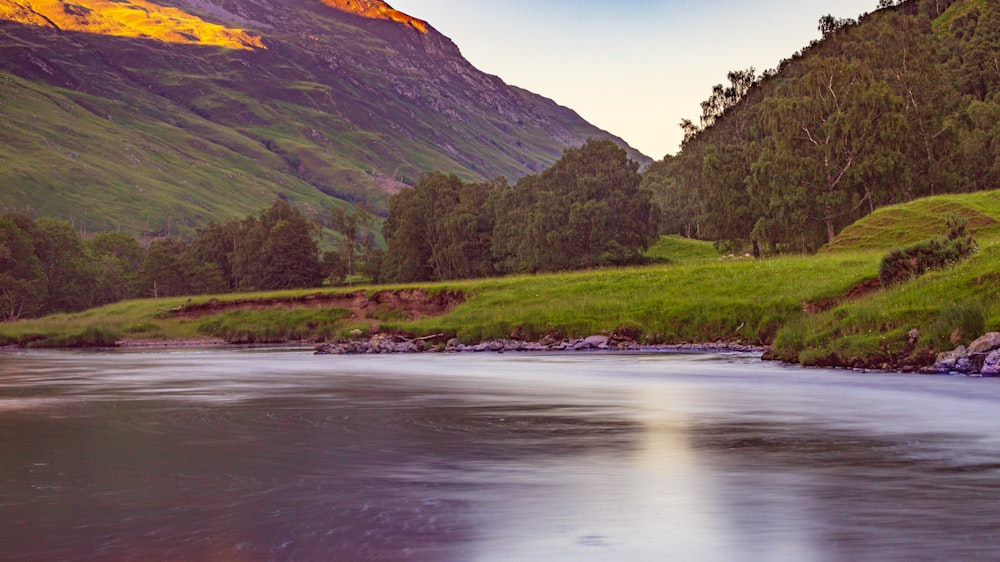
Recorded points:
(903, 264)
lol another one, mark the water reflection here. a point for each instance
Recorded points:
(277, 454)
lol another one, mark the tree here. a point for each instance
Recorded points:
(833, 139)
(290, 256)
(350, 225)
(279, 249)
(168, 270)
(117, 260)
(587, 210)
(23, 286)
(67, 265)
(217, 243)
(440, 229)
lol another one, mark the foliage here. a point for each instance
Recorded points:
(899, 104)
(586, 211)
(903, 264)
(23, 285)
(117, 259)
(440, 229)
(46, 266)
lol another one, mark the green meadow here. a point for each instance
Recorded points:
(822, 309)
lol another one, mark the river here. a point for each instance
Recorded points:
(276, 454)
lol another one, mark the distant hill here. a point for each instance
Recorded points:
(156, 118)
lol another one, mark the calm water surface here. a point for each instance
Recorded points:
(282, 455)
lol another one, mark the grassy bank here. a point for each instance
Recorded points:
(720, 299)
(825, 309)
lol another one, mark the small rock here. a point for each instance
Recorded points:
(454, 342)
(947, 361)
(356, 333)
(598, 341)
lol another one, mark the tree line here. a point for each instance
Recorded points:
(46, 266)
(585, 211)
(898, 104)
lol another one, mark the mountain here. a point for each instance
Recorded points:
(157, 118)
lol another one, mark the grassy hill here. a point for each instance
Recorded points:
(946, 308)
(899, 225)
(825, 309)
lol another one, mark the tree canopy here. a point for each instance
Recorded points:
(898, 104)
(587, 210)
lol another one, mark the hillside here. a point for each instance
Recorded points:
(906, 325)
(895, 105)
(156, 118)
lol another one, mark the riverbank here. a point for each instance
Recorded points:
(824, 310)
(384, 343)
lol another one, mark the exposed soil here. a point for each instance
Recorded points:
(859, 290)
(408, 304)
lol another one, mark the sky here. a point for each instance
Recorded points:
(632, 67)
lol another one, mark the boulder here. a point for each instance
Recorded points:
(600, 342)
(986, 344)
(991, 366)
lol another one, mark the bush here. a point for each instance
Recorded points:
(903, 264)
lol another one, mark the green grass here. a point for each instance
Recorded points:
(272, 326)
(675, 248)
(946, 308)
(730, 300)
(944, 21)
(901, 225)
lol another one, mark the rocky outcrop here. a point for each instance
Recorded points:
(981, 357)
(376, 9)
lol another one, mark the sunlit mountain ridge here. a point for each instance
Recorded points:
(127, 18)
(162, 120)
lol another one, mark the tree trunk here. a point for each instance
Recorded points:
(830, 230)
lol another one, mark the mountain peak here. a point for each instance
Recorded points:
(377, 9)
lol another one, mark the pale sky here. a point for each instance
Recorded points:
(632, 67)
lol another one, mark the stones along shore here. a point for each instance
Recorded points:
(981, 357)
(385, 343)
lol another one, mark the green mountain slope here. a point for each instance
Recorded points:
(156, 118)
(900, 104)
